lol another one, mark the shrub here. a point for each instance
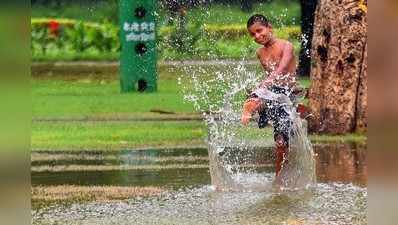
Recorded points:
(70, 37)
(73, 35)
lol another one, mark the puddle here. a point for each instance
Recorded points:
(339, 197)
(341, 163)
(173, 178)
(326, 204)
(177, 168)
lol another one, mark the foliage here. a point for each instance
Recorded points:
(279, 12)
(182, 38)
(73, 36)
(70, 40)
(213, 30)
(85, 10)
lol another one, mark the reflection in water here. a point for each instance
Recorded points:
(341, 163)
(170, 178)
(344, 163)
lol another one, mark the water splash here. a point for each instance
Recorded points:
(219, 95)
(299, 172)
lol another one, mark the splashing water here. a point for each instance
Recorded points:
(300, 171)
(219, 95)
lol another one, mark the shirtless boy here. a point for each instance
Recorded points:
(277, 58)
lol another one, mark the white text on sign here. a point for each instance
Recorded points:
(139, 27)
(140, 37)
(139, 31)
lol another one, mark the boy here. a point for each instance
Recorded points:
(277, 58)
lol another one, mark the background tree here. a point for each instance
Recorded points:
(338, 92)
(246, 5)
(307, 28)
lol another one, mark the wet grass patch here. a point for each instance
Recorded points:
(67, 194)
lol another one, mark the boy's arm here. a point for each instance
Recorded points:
(283, 67)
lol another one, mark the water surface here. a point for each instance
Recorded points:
(339, 197)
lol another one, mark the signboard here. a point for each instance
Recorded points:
(138, 40)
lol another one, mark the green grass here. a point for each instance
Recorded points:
(76, 97)
(115, 135)
(109, 136)
(93, 98)
(80, 97)
(99, 97)
(355, 138)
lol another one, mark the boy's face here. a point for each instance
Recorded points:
(261, 34)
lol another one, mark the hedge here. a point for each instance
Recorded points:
(75, 36)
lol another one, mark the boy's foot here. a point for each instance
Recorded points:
(250, 106)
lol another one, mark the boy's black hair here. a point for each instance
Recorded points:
(257, 18)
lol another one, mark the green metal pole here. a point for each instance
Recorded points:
(138, 39)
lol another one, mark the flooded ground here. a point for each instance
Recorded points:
(185, 194)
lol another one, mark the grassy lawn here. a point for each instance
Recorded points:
(110, 136)
(97, 96)
(115, 135)
(80, 112)
(88, 98)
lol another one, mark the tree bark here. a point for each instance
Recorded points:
(338, 92)
(246, 5)
(307, 29)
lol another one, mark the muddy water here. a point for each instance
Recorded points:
(339, 197)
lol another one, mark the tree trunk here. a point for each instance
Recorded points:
(338, 93)
(307, 28)
(246, 5)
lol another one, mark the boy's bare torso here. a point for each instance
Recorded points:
(271, 57)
